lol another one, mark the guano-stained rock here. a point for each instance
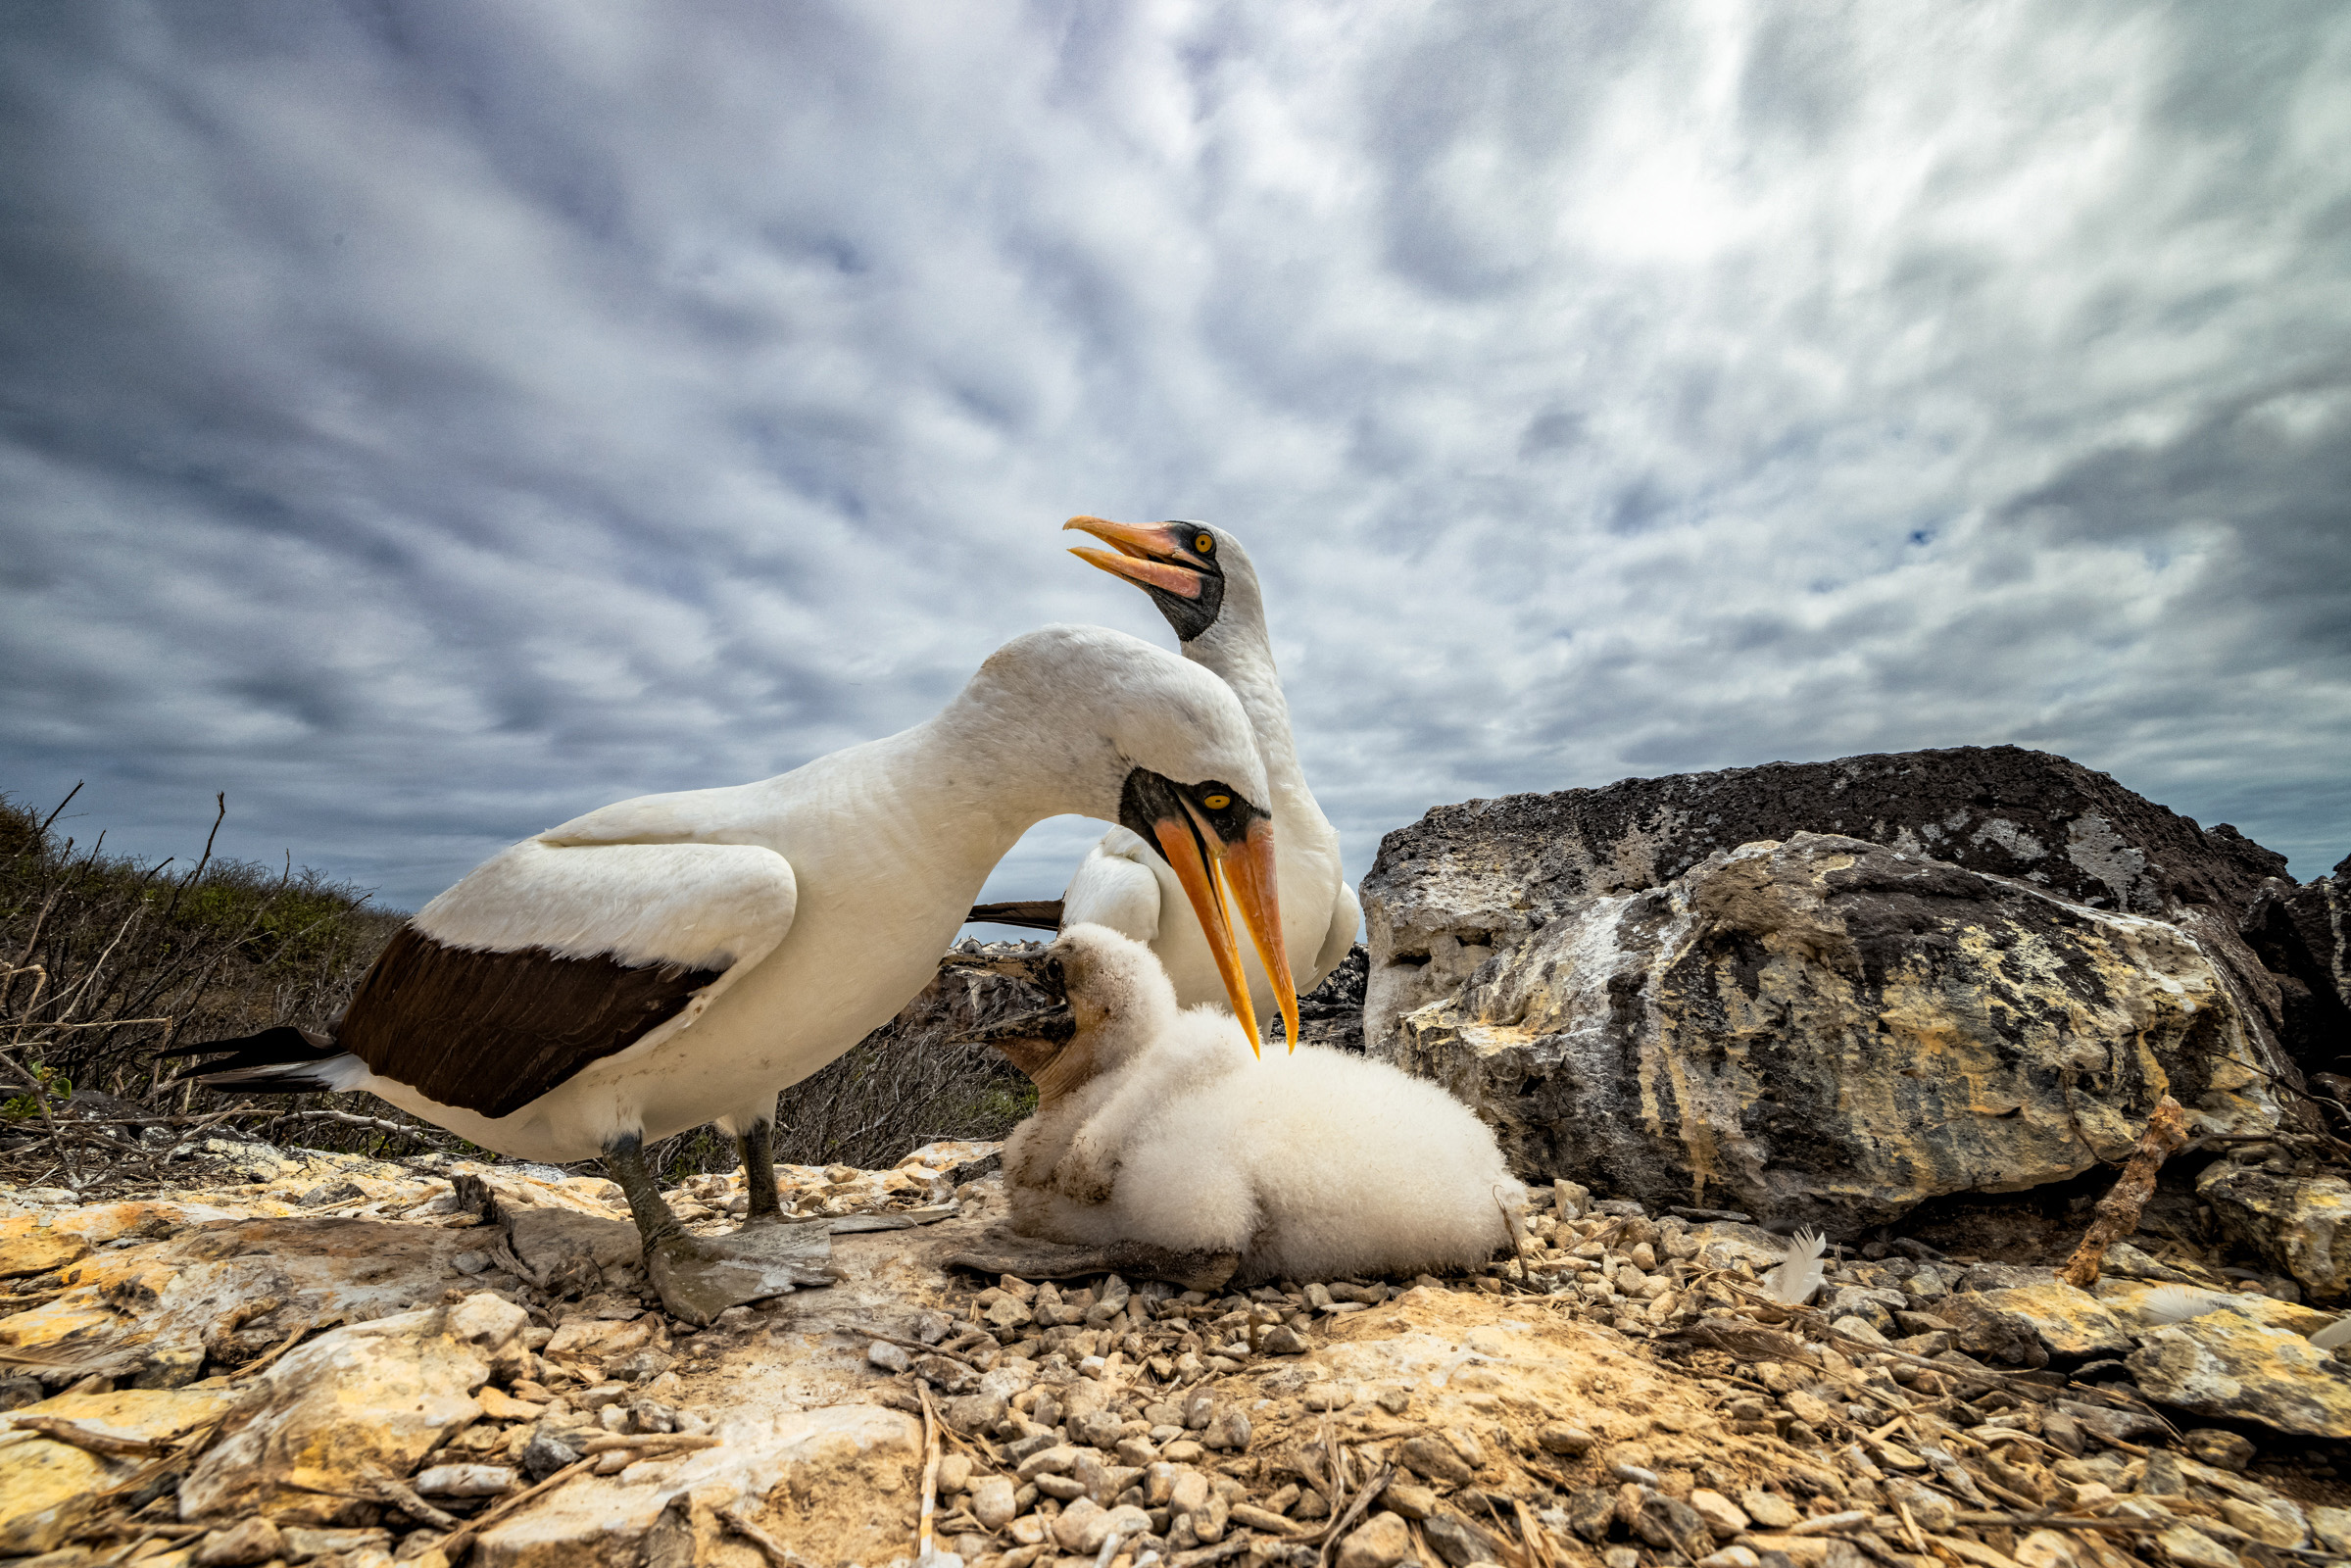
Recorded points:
(368, 1397)
(1830, 1032)
(2069, 1323)
(841, 1474)
(1471, 881)
(2298, 1224)
(48, 1487)
(2225, 1364)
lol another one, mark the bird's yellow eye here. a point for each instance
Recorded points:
(1206, 544)
(1216, 802)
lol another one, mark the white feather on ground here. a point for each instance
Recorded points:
(2177, 1304)
(1158, 1125)
(1801, 1270)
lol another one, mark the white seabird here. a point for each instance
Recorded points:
(1204, 583)
(678, 959)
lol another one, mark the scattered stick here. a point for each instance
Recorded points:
(481, 1522)
(80, 1436)
(341, 1118)
(2042, 1520)
(665, 1442)
(399, 1494)
(1355, 1510)
(1537, 1541)
(918, 1346)
(2118, 1212)
(930, 1478)
(783, 1556)
(262, 1363)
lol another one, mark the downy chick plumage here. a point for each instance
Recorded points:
(1157, 1124)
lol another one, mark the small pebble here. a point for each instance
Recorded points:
(249, 1541)
(465, 1481)
(1731, 1558)
(991, 1501)
(1560, 1438)
(887, 1357)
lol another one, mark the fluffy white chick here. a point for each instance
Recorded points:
(1157, 1125)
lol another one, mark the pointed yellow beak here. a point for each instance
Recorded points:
(1146, 555)
(1247, 869)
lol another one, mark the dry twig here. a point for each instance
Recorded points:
(930, 1478)
(783, 1556)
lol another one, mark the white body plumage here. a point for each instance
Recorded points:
(825, 894)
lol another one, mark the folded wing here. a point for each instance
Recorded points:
(550, 958)
(1115, 885)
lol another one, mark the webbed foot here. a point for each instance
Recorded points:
(700, 1277)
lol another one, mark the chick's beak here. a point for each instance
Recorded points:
(1204, 865)
(1146, 555)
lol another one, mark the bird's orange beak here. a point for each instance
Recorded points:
(1147, 555)
(1247, 868)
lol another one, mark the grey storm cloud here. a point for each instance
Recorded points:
(427, 423)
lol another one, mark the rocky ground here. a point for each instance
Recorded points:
(1924, 1001)
(349, 1364)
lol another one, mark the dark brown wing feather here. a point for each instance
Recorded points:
(491, 1032)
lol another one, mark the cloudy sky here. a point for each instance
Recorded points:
(426, 421)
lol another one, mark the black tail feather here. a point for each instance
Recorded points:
(281, 1047)
(259, 1080)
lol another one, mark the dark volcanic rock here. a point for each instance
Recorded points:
(1332, 1014)
(1830, 1032)
(1467, 881)
(2303, 936)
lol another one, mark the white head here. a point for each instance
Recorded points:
(1198, 576)
(1090, 721)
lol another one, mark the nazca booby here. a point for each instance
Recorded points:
(677, 958)
(1154, 1128)
(1203, 581)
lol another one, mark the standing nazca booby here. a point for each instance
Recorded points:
(678, 959)
(1203, 581)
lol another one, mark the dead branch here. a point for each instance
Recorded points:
(2118, 1212)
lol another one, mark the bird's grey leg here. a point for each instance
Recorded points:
(624, 1158)
(758, 1143)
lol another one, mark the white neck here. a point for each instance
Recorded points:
(1236, 650)
(1054, 723)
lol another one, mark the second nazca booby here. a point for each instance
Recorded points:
(1203, 581)
(675, 960)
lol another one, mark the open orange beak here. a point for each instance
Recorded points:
(1146, 553)
(1247, 868)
